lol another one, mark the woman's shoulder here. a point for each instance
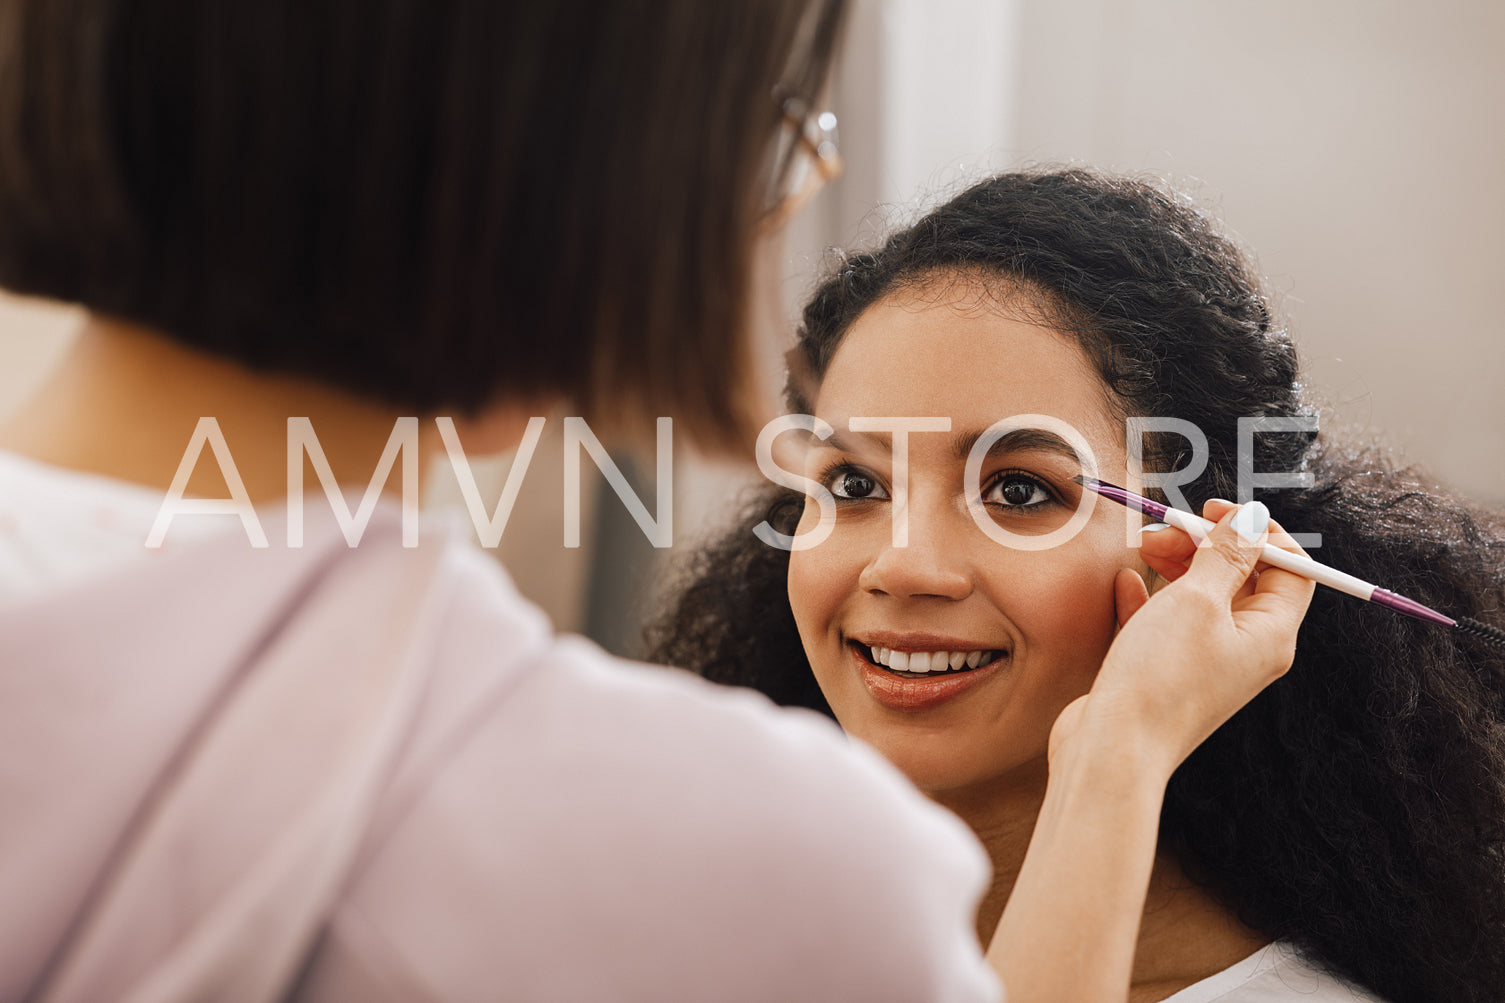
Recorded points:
(1276, 973)
(599, 728)
(592, 827)
(584, 804)
(58, 526)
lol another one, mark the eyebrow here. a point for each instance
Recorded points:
(1019, 440)
(838, 440)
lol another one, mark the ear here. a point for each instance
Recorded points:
(1129, 594)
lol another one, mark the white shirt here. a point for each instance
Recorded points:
(1277, 973)
(58, 526)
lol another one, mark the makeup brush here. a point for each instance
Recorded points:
(1197, 528)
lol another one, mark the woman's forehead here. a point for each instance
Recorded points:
(967, 359)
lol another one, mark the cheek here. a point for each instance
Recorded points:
(815, 587)
(822, 582)
(1064, 605)
(819, 579)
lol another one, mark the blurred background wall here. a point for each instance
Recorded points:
(1354, 145)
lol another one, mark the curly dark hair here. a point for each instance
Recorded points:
(1356, 808)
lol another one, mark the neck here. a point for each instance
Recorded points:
(125, 400)
(1002, 814)
(1185, 934)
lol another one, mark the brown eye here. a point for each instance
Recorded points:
(1017, 491)
(855, 485)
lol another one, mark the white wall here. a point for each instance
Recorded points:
(1354, 145)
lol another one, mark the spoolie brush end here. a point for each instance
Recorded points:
(1492, 636)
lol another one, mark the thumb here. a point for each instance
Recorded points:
(1226, 558)
(1129, 594)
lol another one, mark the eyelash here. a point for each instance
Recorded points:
(841, 468)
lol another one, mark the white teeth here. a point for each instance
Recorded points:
(929, 661)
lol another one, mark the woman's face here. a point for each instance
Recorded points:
(1036, 622)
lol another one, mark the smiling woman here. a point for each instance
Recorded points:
(1043, 618)
(1341, 837)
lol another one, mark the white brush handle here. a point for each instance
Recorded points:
(1198, 528)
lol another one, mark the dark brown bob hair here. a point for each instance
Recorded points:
(435, 203)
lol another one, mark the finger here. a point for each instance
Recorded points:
(1166, 543)
(1280, 538)
(1226, 558)
(1129, 594)
(1279, 593)
(1282, 591)
(1269, 619)
(1169, 570)
(1166, 549)
(1278, 602)
(1216, 508)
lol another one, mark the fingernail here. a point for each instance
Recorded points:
(1153, 527)
(1251, 520)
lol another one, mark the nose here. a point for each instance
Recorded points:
(932, 565)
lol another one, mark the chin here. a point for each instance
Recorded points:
(937, 765)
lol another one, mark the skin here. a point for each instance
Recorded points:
(1055, 612)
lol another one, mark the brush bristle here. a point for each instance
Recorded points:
(1492, 636)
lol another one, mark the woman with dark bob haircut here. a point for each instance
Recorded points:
(1353, 813)
(302, 754)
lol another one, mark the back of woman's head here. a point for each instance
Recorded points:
(1357, 807)
(434, 202)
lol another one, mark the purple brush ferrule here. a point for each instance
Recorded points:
(1410, 607)
(1124, 497)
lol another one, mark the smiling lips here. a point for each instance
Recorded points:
(923, 679)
